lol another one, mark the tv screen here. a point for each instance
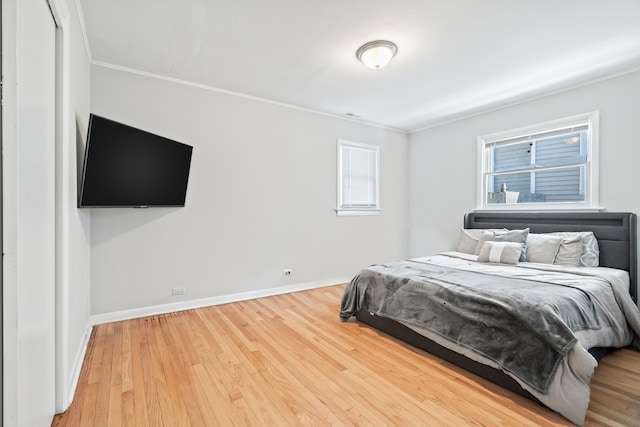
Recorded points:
(129, 167)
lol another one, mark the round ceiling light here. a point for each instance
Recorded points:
(376, 54)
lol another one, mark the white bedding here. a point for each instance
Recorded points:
(569, 392)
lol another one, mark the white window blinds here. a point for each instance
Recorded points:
(357, 178)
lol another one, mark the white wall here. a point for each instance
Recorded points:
(261, 198)
(443, 164)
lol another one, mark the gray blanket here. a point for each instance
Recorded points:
(524, 326)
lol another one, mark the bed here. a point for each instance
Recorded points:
(458, 305)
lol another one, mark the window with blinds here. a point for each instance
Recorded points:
(358, 186)
(550, 165)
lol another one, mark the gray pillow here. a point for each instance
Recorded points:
(515, 236)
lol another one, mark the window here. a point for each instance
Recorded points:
(552, 165)
(358, 185)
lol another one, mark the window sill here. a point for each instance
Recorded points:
(357, 212)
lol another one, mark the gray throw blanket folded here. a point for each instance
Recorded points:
(525, 326)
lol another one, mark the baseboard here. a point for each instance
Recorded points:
(116, 316)
(76, 369)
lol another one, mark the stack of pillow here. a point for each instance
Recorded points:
(566, 248)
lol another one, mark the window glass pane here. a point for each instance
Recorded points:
(511, 157)
(561, 150)
(557, 150)
(556, 185)
(510, 182)
(561, 185)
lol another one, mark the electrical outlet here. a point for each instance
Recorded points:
(177, 291)
(288, 272)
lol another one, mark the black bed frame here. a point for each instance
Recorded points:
(617, 239)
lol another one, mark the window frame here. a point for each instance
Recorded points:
(350, 210)
(591, 202)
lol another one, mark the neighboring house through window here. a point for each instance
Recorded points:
(551, 165)
(358, 179)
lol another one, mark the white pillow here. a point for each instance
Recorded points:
(569, 252)
(543, 248)
(468, 241)
(590, 256)
(485, 236)
(500, 252)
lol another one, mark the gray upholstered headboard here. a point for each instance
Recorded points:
(615, 231)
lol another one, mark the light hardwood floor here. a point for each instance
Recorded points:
(288, 360)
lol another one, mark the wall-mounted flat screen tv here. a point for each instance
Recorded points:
(129, 167)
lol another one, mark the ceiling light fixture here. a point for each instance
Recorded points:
(376, 54)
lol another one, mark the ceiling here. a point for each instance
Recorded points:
(455, 58)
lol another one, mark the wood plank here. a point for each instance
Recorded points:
(288, 360)
(138, 392)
